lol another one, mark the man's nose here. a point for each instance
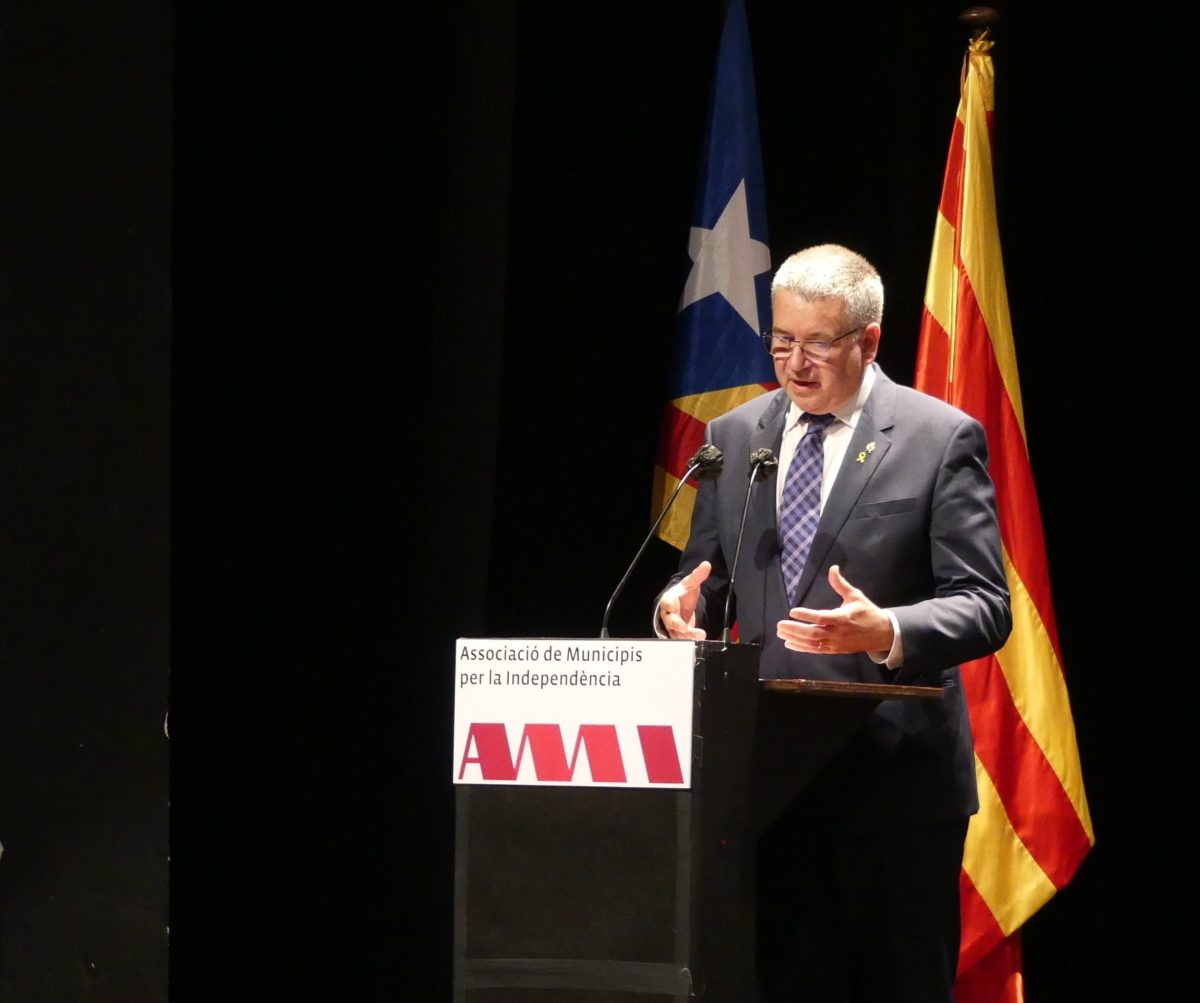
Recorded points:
(797, 359)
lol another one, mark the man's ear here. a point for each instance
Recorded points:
(869, 342)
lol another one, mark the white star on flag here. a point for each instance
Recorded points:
(726, 259)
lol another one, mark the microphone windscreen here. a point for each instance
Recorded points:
(708, 461)
(762, 462)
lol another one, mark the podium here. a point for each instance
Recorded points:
(606, 894)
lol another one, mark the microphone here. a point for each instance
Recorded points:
(762, 462)
(706, 465)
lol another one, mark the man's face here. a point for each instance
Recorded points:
(821, 386)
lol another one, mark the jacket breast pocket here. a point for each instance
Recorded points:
(873, 510)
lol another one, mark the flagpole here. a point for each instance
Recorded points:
(980, 21)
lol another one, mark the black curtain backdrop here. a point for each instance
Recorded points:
(85, 339)
(426, 270)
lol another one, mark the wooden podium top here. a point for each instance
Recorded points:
(826, 687)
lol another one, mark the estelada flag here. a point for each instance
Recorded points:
(1033, 829)
(719, 359)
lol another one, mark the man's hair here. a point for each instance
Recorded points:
(830, 271)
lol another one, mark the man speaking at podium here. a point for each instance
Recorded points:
(872, 554)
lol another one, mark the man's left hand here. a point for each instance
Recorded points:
(857, 625)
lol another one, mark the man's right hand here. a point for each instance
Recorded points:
(677, 607)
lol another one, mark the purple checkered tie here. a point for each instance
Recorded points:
(800, 510)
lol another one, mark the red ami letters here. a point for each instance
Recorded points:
(544, 743)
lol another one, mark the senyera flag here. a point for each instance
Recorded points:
(719, 361)
(1033, 829)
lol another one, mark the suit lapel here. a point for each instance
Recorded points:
(762, 512)
(769, 435)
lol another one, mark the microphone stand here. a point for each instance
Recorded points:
(708, 461)
(762, 462)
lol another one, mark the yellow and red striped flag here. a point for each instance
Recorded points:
(1033, 829)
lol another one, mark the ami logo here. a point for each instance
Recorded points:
(487, 754)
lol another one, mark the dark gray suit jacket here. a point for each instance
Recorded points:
(911, 521)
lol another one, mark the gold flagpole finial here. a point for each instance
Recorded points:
(979, 20)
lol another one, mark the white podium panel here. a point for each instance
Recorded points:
(570, 712)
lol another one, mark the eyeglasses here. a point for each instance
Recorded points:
(780, 346)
